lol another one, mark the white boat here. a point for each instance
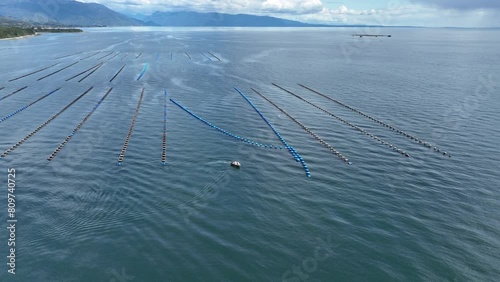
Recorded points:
(236, 164)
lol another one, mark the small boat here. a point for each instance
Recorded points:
(236, 164)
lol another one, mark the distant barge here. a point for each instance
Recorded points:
(372, 35)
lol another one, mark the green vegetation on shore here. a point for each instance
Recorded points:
(12, 31)
(58, 30)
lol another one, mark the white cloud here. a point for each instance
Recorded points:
(401, 13)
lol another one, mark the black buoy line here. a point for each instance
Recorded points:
(105, 55)
(90, 56)
(409, 136)
(75, 130)
(131, 129)
(164, 141)
(187, 55)
(31, 73)
(66, 56)
(1, 88)
(50, 74)
(214, 56)
(28, 105)
(114, 76)
(87, 70)
(394, 148)
(138, 56)
(43, 125)
(115, 55)
(124, 56)
(17, 91)
(206, 57)
(292, 150)
(90, 73)
(328, 146)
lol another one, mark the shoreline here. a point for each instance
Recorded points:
(20, 37)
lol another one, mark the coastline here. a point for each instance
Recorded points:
(20, 37)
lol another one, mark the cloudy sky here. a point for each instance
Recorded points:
(467, 13)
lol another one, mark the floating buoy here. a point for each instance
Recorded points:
(341, 119)
(294, 153)
(213, 126)
(106, 55)
(143, 71)
(75, 130)
(50, 74)
(131, 129)
(31, 73)
(87, 70)
(28, 105)
(295, 120)
(414, 138)
(119, 71)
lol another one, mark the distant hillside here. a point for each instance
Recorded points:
(218, 19)
(66, 12)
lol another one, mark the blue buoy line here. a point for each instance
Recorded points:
(85, 71)
(75, 130)
(31, 73)
(292, 151)
(187, 55)
(171, 56)
(214, 56)
(106, 55)
(119, 71)
(15, 92)
(324, 143)
(131, 129)
(394, 148)
(43, 125)
(164, 142)
(126, 55)
(143, 72)
(57, 71)
(157, 56)
(412, 137)
(90, 56)
(207, 57)
(241, 139)
(28, 105)
(90, 73)
(115, 55)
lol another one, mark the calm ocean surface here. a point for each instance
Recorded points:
(386, 217)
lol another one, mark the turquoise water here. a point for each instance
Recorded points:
(386, 217)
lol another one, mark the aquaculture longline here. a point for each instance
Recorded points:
(15, 92)
(31, 73)
(412, 137)
(324, 143)
(131, 129)
(75, 130)
(119, 71)
(28, 105)
(225, 132)
(43, 124)
(292, 151)
(347, 123)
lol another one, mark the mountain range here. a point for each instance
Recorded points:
(74, 13)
